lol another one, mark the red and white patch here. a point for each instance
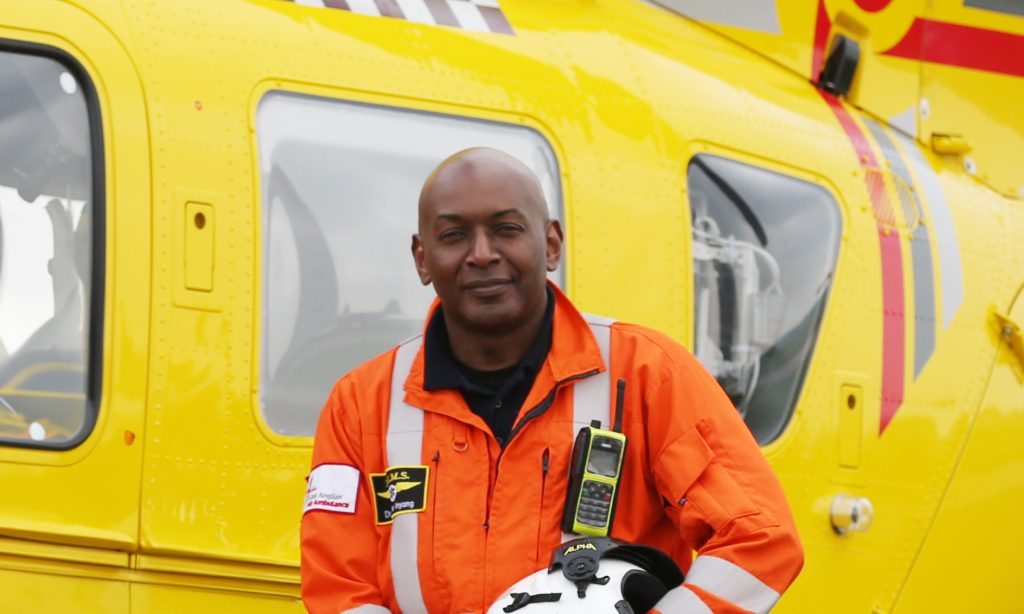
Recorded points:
(333, 488)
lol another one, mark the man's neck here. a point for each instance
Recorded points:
(485, 351)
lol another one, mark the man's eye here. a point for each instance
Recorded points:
(450, 236)
(509, 229)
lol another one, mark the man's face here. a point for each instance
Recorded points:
(486, 244)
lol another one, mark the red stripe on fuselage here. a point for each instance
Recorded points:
(822, 26)
(953, 44)
(893, 326)
(893, 307)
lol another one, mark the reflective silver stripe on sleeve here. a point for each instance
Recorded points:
(404, 447)
(591, 397)
(682, 599)
(368, 609)
(732, 583)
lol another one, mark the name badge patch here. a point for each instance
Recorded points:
(399, 490)
(334, 488)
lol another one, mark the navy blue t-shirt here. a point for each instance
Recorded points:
(495, 396)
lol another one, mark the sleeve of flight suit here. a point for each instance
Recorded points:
(339, 548)
(723, 497)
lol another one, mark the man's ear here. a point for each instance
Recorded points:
(418, 257)
(554, 244)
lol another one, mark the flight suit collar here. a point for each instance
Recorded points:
(441, 369)
(574, 353)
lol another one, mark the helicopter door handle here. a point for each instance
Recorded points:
(850, 514)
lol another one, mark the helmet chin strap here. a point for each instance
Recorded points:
(521, 600)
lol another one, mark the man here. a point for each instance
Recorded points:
(440, 468)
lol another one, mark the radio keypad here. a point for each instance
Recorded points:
(595, 503)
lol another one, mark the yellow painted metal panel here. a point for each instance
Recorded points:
(65, 551)
(62, 552)
(974, 542)
(981, 105)
(154, 599)
(216, 568)
(46, 593)
(981, 108)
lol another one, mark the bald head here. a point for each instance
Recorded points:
(486, 243)
(482, 170)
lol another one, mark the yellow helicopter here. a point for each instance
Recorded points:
(204, 221)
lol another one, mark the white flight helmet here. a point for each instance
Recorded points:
(598, 575)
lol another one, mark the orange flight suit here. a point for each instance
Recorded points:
(693, 479)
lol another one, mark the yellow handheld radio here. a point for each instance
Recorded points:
(594, 476)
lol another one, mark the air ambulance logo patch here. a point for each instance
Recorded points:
(399, 490)
(332, 488)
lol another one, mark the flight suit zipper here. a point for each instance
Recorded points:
(434, 482)
(545, 461)
(536, 412)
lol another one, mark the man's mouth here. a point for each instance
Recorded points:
(486, 287)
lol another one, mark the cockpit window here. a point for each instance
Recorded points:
(341, 183)
(46, 251)
(764, 250)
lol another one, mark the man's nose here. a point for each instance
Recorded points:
(483, 252)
